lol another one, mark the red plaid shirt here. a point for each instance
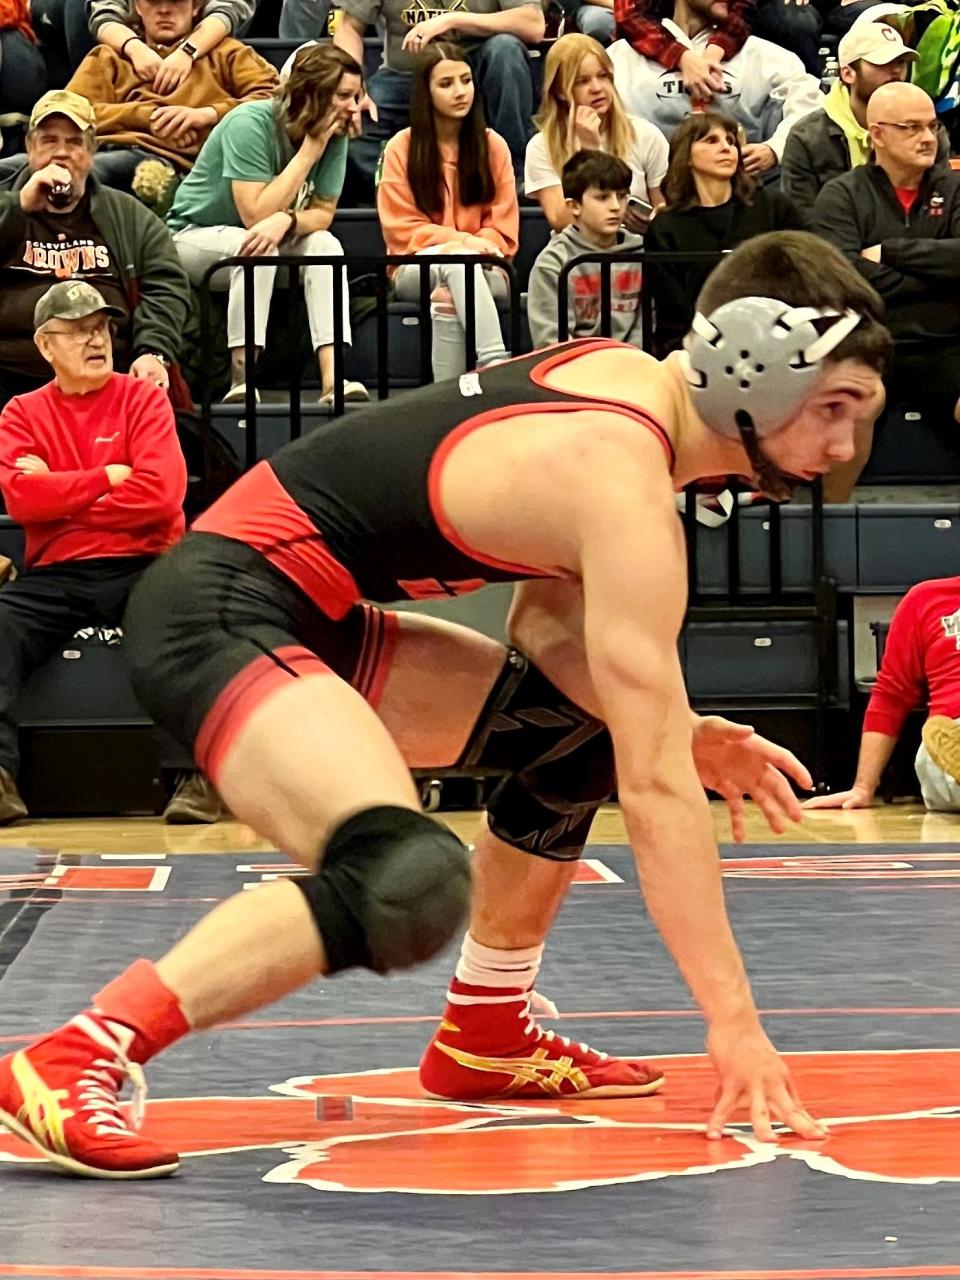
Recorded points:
(651, 38)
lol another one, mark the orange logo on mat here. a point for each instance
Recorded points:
(895, 1117)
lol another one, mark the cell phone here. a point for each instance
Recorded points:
(643, 207)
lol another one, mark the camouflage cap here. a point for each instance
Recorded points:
(61, 102)
(71, 300)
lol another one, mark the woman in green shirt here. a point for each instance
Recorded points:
(268, 179)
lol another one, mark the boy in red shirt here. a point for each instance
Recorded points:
(91, 467)
(921, 659)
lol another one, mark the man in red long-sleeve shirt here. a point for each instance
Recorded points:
(922, 657)
(91, 467)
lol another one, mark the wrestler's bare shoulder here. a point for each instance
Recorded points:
(510, 489)
(621, 374)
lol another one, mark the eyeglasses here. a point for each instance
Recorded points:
(102, 329)
(910, 128)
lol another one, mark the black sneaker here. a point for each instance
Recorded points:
(12, 807)
(195, 800)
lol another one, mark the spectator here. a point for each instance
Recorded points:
(920, 663)
(91, 467)
(596, 186)
(70, 29)
(109, 22)
(835, 138)
(898, 220)
(712, 206)
(135, 123)
(763, 87)
(581, 109)
(447, 187)
(792, 24)
(58, 220)
(269, 177)
(495, 35)
(23, 73)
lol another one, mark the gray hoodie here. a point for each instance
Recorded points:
(583, 290)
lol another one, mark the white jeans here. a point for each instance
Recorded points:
(200, 247)
(940, 792)
(449, 341)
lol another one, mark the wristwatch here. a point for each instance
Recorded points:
(164, 360)
(190, 50)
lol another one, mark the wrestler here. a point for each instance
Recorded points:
(256, 641)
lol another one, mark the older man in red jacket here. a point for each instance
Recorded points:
(90, 465)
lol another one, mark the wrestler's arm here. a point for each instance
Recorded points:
(546, 624)
(633, 570)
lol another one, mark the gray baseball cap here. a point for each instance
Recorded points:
(71, 300)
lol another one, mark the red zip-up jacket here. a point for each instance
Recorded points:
(650, 38)
(71, 512)
(922, 652)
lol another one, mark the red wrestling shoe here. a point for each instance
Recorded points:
(491, 1046)
(62, 1096)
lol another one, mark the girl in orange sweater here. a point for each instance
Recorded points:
(447, 186)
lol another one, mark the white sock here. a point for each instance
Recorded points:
(490, 967)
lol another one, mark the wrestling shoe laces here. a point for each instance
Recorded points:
(62, 1096)
(99, 1086)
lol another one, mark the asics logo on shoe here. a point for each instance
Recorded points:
(41, 1111)
(550, 1074)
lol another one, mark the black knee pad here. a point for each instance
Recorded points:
(393, 890)
(560, 761)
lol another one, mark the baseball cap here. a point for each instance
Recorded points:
(71, 300)
(875, 42)
(61, 102)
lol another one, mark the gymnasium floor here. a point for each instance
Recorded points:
(310, 1153)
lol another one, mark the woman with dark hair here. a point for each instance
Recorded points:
(447, 186)
(268, 178)
(712, 206)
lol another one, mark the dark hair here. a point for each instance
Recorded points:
(679, 186)
(802, 270)
(305, 95)
(425, 173)
(594, 169)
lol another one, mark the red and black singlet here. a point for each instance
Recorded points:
(352, 510)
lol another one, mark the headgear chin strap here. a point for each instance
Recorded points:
(752, 363)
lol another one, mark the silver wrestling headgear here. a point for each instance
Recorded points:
(752, 363)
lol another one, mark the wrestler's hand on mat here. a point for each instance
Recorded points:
(737, 763)
(856, 798)
(753, 1075)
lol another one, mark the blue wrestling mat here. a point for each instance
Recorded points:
(310, 1152)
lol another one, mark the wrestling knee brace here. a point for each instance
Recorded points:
(393, 890)
(558, 757)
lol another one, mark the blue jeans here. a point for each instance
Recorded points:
(23, 74)
(64, 35)
(390, 90)
(501, 68)
(796, 27)
(594, 20)
(115, 166)
(304, 19)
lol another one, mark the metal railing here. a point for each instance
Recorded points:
(379, 267)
